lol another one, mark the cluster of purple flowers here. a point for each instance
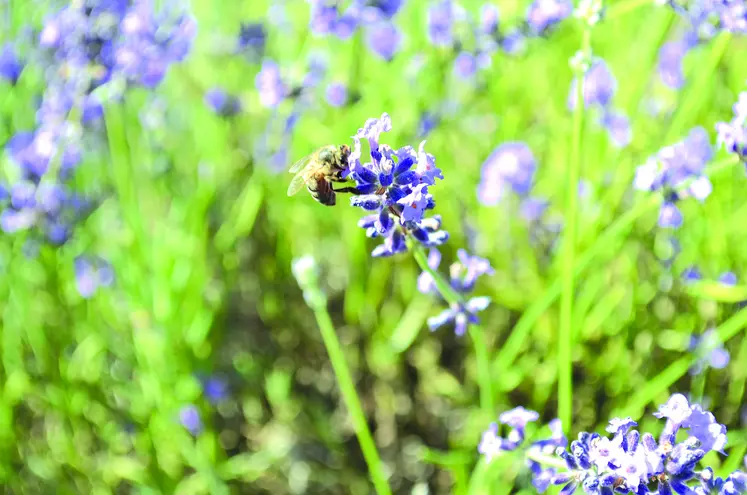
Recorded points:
(83, 47)
(393, 191)
(463, 277)
(375, 17)
(445, 15)
(733, 135)
(628, 461)
(599, 88)
(709, 17)
(677, 171)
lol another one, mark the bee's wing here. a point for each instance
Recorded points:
(300, 164)
(296, 184)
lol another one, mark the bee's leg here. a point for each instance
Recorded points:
(351, 190)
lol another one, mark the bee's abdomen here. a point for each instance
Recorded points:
(321, 191)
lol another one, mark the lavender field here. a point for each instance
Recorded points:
(373, 247)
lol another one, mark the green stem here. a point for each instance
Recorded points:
(624, 222)
(565, 333)
(349, 395)
(482, 355)
(443, 286)
(240, 220)
(454, 298)
(547, 460)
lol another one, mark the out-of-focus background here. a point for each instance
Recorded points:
(153, 338)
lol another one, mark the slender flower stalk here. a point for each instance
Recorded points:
(565, 334)
(455, 299)
(306, 272)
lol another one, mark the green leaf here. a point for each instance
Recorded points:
(246, 467)
(410, 324)
(716, 291)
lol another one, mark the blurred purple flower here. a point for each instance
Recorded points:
(189, 417)
(618, 128)
(465, 65)
(215, 389)
(383, 39)
(92, 273)
(533, 208)
(323, 17)
(337, 94)
(599, 86)
(669, 170)
(733, 135)
(542, 15)
(222, 103)
(670, 216)
(671, 56)
(440, 23)
(252, 39)
(489, 19)
(272, 90)
(728, 278)
(10, 65)
(512, 164)
(428, 122)
(710, 351)
(692, 274)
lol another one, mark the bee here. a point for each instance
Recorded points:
(318, 171)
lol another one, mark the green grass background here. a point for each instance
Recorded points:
(201, 237)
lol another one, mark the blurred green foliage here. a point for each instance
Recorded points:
(201, 238)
